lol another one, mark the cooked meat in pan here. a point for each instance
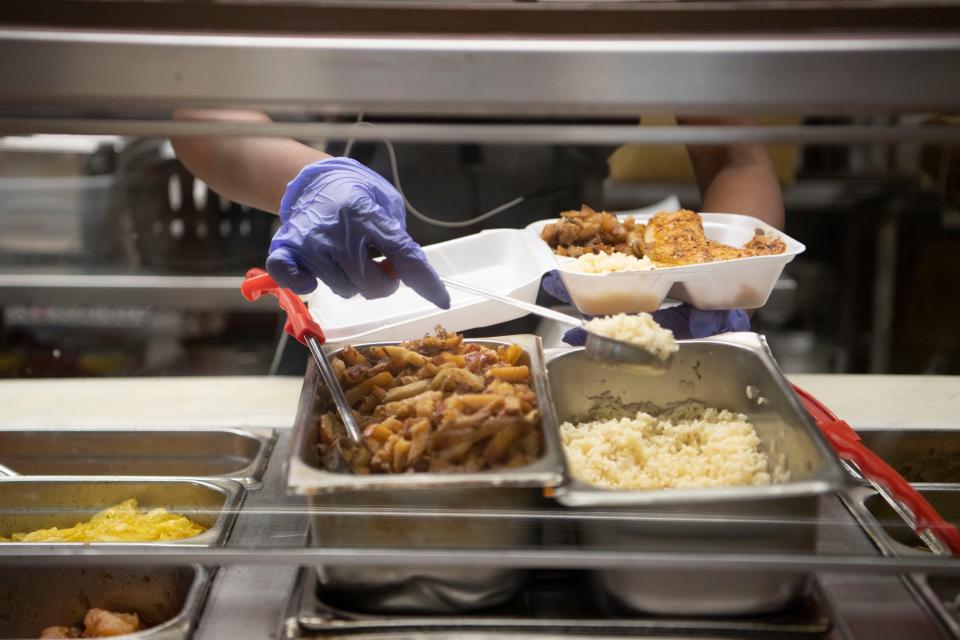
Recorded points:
(98, 623)
(436, 404)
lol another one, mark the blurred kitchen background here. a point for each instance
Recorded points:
(115, 261)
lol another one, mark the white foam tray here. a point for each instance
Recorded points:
(744, 283)
(508, 261)
(512, 262)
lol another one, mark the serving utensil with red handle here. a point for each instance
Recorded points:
(938, 534)
(301, 325)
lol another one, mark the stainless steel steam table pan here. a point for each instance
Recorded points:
(887, 529)
(736, 372)
(192, 453)
(553, 604)
(168, 600)
(42, 503)
(419, 510)
(919, 455)
(895, 538)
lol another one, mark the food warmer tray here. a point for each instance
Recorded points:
(553, 601)
(237, 454)
(734, 372)
(384, 510)
(51, 501)
(306, 475)
(928, 456)
(894, 537)
(169, 599)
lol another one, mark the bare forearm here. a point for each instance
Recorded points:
(750, 188)
(737, 178)
(251, 171)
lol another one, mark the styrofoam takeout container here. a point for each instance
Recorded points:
(744, 283)
(507, 261)
(512, 262)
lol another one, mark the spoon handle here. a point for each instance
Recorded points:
(526, 306)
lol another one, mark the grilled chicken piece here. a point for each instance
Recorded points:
(764, 244)
(719, 251)
(100, 623)
(675, 238)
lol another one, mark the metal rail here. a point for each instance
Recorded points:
(494, 133)
(170, 291)
(507, 75)
(529, 558)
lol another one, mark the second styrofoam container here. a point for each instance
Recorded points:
(744, 283)
(507, 261)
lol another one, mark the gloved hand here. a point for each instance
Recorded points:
(553, 285)
(685, 320)
(332, 214)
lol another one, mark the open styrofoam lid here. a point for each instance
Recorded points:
(507, 261)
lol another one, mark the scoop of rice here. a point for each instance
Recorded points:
(697, 448)
(639, 329)
(610, 262)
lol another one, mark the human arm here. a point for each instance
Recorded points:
(333, 211)
(250, 171)
(736, 178)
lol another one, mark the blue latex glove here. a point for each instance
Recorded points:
(553, 285)
(686, 321)
(332, 214)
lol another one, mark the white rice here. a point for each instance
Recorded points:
(640, 329)
(687, 448)
(610, 262)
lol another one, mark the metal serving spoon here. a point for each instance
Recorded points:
(600, 347)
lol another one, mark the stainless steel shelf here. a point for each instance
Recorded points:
(495, 133)
(475, 75)
(504, 17)
(167, 291)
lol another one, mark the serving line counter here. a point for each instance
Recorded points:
(273, 601)
(865, 401)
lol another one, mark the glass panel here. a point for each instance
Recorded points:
(553, 492)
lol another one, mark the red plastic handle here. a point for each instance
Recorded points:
(300, 324)
(848, 446)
